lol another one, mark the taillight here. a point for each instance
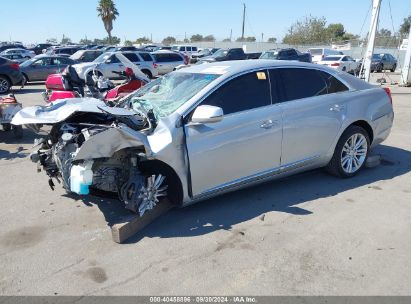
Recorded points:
(155, 65)
(15, 66)
(388, 91)
(335, 64)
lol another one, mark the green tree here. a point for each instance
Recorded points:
(335, 31)
(85, 41)
(65, 40)
(143, 40)
(169, 40)
(307, 31)
(405, 26)
(209, 38)
(107, 11)
(196, 38)
(128, 43)
(113, 39)
(51, 40)
(246, 39)
(227, 40)
(272, 40)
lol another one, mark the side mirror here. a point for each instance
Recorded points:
(207, 114)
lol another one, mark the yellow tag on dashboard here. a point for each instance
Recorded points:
(261, 76)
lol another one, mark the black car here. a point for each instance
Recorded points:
(10, 75)
(38, 49)
(286, 54)
(381, 62)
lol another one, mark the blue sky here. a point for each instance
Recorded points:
(33, 21)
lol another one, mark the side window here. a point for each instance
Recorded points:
(43, 61)
(132, 57)
(242, 93)
(291, 53)
(59, 61)
(194, 49)
(175, 57)
(113, 59)
(159, 57)
(344, 59)
(275, 85)
(333, 84)
(182, 49)
(146, 56)
(302, 83)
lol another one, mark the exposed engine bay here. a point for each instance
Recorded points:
(65, 156)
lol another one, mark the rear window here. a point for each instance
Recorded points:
(333, 84)
(315, 51)
(332, 58)
(146, 56)
(302, 83)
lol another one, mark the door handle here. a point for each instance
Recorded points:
(268, 124)
(337, 108)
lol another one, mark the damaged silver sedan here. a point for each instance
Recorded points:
(210, 129)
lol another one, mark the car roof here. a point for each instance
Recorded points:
(229, 68)
(15, 49)
(165, 52)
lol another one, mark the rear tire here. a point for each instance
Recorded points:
(351, 153)
(5, 85)
(147, 73)
(6, 127)
(18, 132)
(394, 67)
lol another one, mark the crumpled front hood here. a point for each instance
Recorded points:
(62, 109)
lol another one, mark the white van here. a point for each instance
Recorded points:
(185, 49)
(318, 54)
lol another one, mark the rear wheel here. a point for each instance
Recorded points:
(5, 85)
(394, 67)
(350, 153)
(6, 127)
(147, 73)
(18, 131)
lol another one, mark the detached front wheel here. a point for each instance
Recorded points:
(350, 153)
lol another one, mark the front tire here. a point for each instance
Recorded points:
(394, 67)
(351, 153)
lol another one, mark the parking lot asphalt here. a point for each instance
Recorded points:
(311, 234)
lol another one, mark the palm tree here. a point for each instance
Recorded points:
(108, 12)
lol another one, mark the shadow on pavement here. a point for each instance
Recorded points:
(277, 196)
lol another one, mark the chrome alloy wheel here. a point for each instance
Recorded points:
(4, 85)
(354, 153)
(151, 193)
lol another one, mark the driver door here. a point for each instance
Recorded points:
(244, 144)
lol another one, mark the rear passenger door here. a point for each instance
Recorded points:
(313, 111)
